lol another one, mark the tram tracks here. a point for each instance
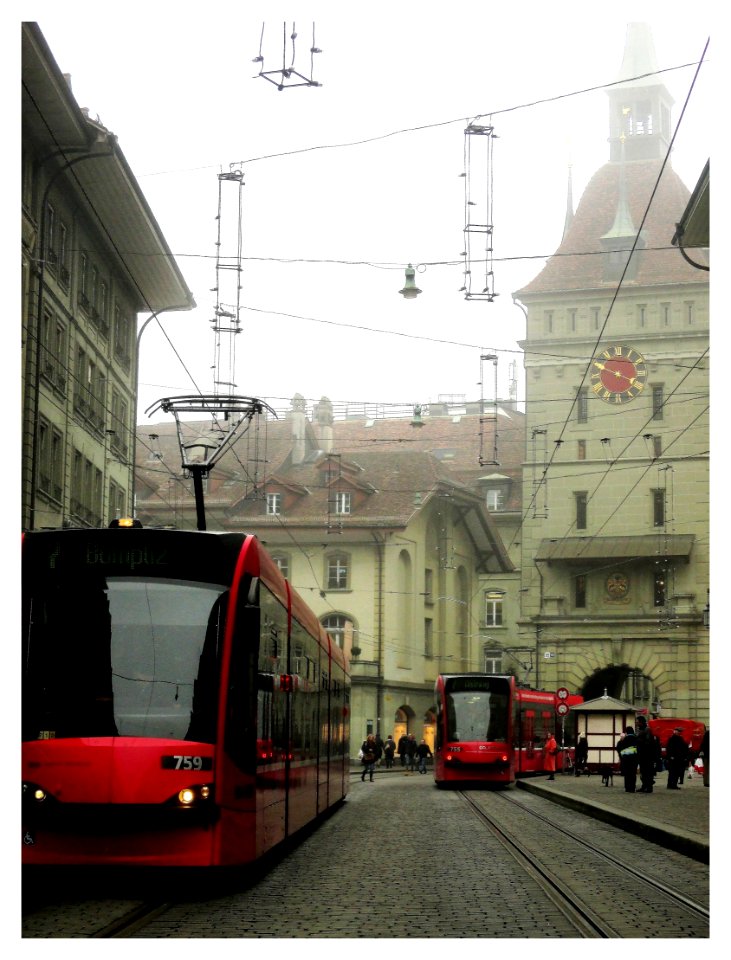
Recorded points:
(567, 866)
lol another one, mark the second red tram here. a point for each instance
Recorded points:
(490, 730)
(182, 706)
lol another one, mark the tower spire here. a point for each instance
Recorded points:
(639, 104)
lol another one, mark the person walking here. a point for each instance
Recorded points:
(371, 753)
(705, 752)
(423, 751)
(581, 756)
(550, 749)
(389, 749)
(676, 754)
(411, 746)
(402, 742)
(646, 755)
(628, 759)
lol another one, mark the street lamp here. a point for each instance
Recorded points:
(410, 291)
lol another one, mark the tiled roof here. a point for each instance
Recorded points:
(574, 266)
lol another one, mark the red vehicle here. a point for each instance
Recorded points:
(182, 706)
(491, 731)
(691, 731)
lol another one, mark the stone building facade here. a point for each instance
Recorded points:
(615, 537)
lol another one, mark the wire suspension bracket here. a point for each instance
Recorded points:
(286, 76)
(478, 225)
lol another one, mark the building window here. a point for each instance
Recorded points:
(282, 562)
(116, 501)
(50, 456)
(572, 321)
(580, 591)
(657, 446)
(659, 592)
(666, 314)
(641, 314)
(581, 509)
(342, 503)
(121, 334)
(582, 405)
(337, 625)
(428, 638)
(658, 508)
(337, 572)
(495, 499)
(548, 321)
(581, 449)
(274, 504)
(63, 266)
(658, 401)
(595, 312)
(429, 586)
(494, 609)
(493, 660)
(689, 313)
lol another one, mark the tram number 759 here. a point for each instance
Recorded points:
(182, 762)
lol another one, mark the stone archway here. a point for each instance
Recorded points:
(403, 722)
(623, 682)
(609, 680)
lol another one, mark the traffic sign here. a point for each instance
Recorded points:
(562, 693)
(562, 708)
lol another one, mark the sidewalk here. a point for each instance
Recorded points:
(677, 819)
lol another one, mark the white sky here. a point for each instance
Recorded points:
(180, 91)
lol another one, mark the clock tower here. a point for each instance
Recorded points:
(615, 562)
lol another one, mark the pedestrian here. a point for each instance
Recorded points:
(411, 746)
(676, 753)
(581, 756)
(402, 742)
(628, 759)
(389, 749)
(371, 753)
(550, 749)
(423, 751)
(705, 752)
(646, 755)
(379, 744)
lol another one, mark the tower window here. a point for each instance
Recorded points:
(582, 405)
(581, 509)
(580, 591)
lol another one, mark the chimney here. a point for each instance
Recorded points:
(298, 417)
(324, 420)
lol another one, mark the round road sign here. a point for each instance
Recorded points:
(562, 693)
(562, 709)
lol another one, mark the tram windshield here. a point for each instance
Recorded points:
(477, 709)
(126, 656)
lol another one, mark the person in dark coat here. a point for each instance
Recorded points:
(646, 754)
(371, 754)
(628, 759)
(389, 749)
(676, 755)
(581, 756)
(402, 741)
(411, 746)
(423, 751)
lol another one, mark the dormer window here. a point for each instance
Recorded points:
(495, 499)
(497, 488)
(274, 504)
(342, 503)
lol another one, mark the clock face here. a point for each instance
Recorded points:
(618, 374)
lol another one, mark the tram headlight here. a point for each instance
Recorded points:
(31, 791)
(190, 796)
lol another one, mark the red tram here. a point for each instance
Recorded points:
(182, 706)
(491, 731)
